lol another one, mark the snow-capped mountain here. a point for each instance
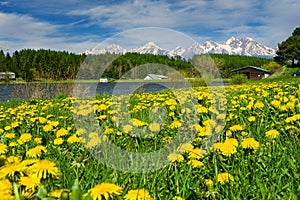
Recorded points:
(150, 48)
(112, 48)
(234, 46)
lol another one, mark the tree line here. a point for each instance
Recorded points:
(31, 64)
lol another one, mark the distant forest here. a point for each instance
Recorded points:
(40, 64)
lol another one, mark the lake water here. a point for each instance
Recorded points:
(27, 91)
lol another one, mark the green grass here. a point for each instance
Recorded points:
(270, 172)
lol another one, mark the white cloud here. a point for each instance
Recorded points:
(23, 31)
(281, 18)
(189, 14)
(23, 27)
(165, 38)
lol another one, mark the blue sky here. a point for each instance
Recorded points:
(76, 26)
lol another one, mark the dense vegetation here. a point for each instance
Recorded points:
(289, 50)
(41, 64)
(226, 63)
(32, 64)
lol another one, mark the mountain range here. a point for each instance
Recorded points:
(233, 46)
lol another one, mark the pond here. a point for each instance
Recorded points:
(51, 90)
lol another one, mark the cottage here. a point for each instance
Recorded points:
(155, 77)
(5, 75)
(252, 72)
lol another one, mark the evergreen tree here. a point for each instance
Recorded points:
(289, 50)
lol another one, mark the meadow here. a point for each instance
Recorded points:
(244, 145)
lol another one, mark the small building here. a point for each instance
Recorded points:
(155, 77)
(252, 72)
(103, 80)
(5, 75)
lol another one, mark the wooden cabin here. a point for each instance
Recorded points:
(252, 72)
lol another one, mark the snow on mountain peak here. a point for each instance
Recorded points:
(233, 45)
(231, 40)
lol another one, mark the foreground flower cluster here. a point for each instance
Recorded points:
(246, 147)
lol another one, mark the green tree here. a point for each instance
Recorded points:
(272, 67)
(289, 50)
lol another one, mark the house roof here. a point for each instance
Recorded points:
(253, 67)
(155, 76)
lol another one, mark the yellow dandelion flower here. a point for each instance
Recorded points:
(218, 146)
(119, 133)
(175, 157)
(10, 135)
(25, 137)
(93, 142)
(57, 193)
(102, 117)
(93, 135)
(73, 139)
(58, 141)
(3, 148)
(293, 118)
(29, 182)
(232, 141)
(42, 120)
(275, 103)
(209, 182)
(127, 128)
(138, 123)
(228, 133)
(195, 163)
(236, 128)
(53, 123)
(38, 140)
(138, 194)
(62, 132)
(10, 170)
(13, 144)
(244, 133)
(6, 190)
(202, 109)
(13, 159)
(105, 190)
(196, 153)
(227, 149)
(259, 104)
(36, 151)
(43, 169)
(225, 178)
(171, 114)
(185, 147)
(272, 134)
(80, 131)
(108, 131)
(47, 128)
(251, 119)
(7, 128)
(250, 143)
(154, 127)
(175, 124)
